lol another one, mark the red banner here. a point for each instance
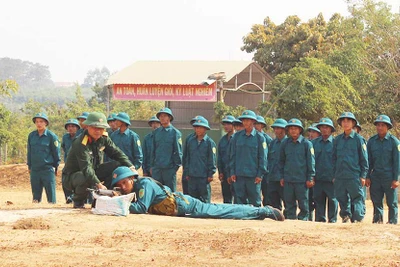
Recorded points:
(167, 92)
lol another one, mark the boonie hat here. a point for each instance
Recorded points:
(248, 114)
(385, 119)
(347, 115)
(295, 122)
(111, 117)
(73, 122)
(153, 119)
(84, 115)
(327, 122)
(41, 115)
(166, 111)
(279, 123)
(228, 119)
(201, 122)
(261, 120)
(313, 127)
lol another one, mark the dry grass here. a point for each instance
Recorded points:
(31, 223)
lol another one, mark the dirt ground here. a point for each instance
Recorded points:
(56, 235)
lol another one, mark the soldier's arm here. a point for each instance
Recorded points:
(310, 161)
(145, 165)
(282, 159)
(145, 198)
(370, 159)
(219, 158)
(137, 152)
(185, 157)
(396, 159)
(232, 156)
(262, 156)
(28, 154)
(55, 150)
(334, 157)
(177, 151)
(363, 158)
(212, 159)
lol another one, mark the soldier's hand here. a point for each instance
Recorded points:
(221, 177)
(151, 172)
(257, 180)
(309, 184)
(282, 182)
(187, 178)
(100, 186)
(145, 174)
(367, 182)
(362, 180)
(210, 179)
(395, 184)
(233, 178)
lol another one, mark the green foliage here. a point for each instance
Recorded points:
(311, 90)
(221, 110)
(137, 110)
(7, 87)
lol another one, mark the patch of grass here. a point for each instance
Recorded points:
(31, 223)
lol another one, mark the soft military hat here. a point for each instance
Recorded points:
(385, 119)
(295, 122)
(313, 127)
(248, 114)
(194, 119)
(111, 117)
(72, 122)
(327, 122)
(237, 121)
(84, 115)
(153, 119)
(96, 119)
(166, 111)
(124, 117)
(347, 115)
(41, 115)
(279, 123)
(201, 122)
(121, 173)
(228, 119)
(261, 120)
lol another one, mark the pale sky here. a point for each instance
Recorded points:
(72, 37)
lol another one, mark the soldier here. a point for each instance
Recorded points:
(112, 123)
(200, 162)
(383, 174)
(84, 168)
(167, 150)
(154, 123)
(72, 126)
(185, 186)
(223, 159)
(43, 159)
(154, 198)
(297, 169)
(260, 125)
(248, 161)
(238, 125)
(81, 119)
(313, 132)
(350, 163)
(275, 190)
(324, 189)
(127, 140)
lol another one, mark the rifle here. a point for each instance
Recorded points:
(116, 191)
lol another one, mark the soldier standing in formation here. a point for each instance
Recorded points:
(154, 123)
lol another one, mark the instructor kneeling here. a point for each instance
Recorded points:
(84, 167)
(155, 198)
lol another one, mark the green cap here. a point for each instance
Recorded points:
(41, 115)
(201, 122)
(313, 127)
(228, 119)
(166, 111)
(326, 122)
(153, 119)
(385, 119)
(194, 119)
(295, 122)
(347, 115)
(248, 114)
(84, 115)
(111, 117)
(279, 123)
(96, 119)
(121, 173)
(261, 120)
(72, 122)
(124, 117)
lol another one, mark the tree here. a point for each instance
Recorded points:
(309, 91)
(96, 77)
(221, 110)
(7, 87)
(278, 48)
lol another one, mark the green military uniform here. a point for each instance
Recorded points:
(200, 163)
(84, 167)
(147, 147)
(275, 190)
(166, 153)
(296, 165)
(324, 189)
(383, 158)
(43, 157)
(248, 160)
(350, 163)
(223, 162)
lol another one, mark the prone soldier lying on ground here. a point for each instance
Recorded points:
(154, 198)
